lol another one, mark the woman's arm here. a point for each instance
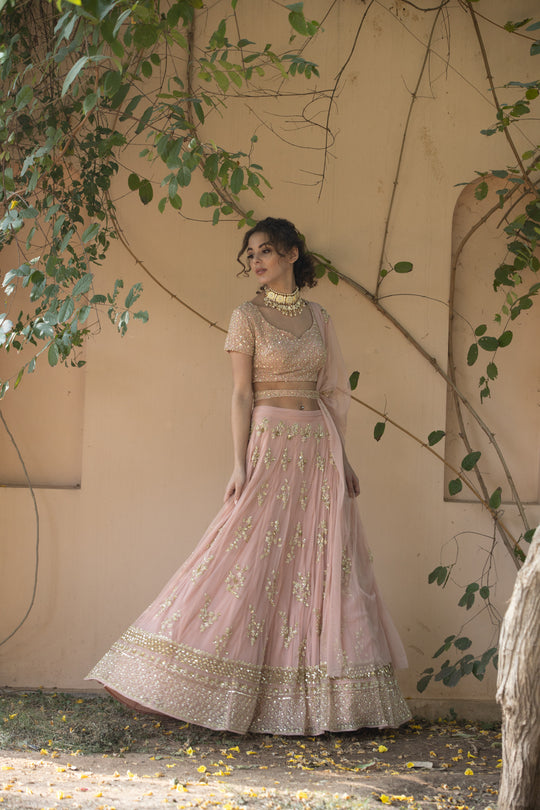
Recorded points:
(242, 403)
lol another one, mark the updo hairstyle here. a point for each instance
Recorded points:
(284, 237)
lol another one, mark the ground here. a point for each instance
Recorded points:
(63, 751)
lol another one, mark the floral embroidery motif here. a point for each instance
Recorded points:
(318, 433)
(346, 565)
(201, 567)
(318, 620)
(284, 493)
(236, 579)
(296, 542)
(167, 603)
(221, 642)
(278, 430)
(320, 462)
(287, 631)
(322, 539)
(285, 460)
(255, 456)
(292, 430)
(302, 653)
(166, 624)
(207, 617)
(262, 427)
(325, 494)
(301, 463)
(302, 588)
(271, 538)
(271, 587)
(303, 496)
(268, 458)
(263, 492)
(306, 432)
(254, 628)
(242, 533)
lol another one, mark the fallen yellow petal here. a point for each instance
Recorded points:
(382, 748)
(469, 772)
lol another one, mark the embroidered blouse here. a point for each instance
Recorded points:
(278, 355)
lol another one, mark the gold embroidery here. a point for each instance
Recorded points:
(320, 462)
(325, 494)
(303, 495)
(207, 617)
(285, 460)
(306, 432)
(302, 588)
(287, 631)
(292, 431)
(221, 642)
(263, 492)
(166, 624)
(201, 567)
(326, 316)
(284, 493)
(318, 433)
(271, 587)
(302, 653)
(255, 456)
(254, 628)
(242, 533)
(168, 602)
(318, 620)
(236, 579)
(346, 565)
(301, 463)
(322, 539)
(268, 458)
(278, 430)
(332, 460)
(271, 538)
(262, 427)
(296, 542)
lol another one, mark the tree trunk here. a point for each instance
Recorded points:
(518, 689)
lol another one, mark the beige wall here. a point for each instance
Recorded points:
(154, 405)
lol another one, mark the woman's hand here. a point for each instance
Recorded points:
(236, 484)
(352, 485)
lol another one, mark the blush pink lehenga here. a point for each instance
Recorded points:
(274, 624)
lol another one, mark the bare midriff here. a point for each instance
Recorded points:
(293, 395)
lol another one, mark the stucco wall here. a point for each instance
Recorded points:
(153, 407)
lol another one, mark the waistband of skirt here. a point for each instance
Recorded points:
(301, 393)
(276, 414)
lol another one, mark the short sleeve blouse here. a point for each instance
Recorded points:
(240, 337)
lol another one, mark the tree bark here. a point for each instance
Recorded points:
(518, 689)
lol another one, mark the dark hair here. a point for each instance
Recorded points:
(284, 237)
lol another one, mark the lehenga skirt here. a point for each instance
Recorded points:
(274, 624)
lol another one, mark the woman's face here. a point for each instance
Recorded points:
(268, 265)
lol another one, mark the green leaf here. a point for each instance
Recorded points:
(333, 277)
(528, 536)
(134, 181)
(237, 180)
(489, 344)
(66, 310)
(146, 69)
(353, 380)
(199, 112)
(480, 330)
(52, 354)
(145, 35)
(435, 436)
(98, 299)
(484, 592)
(423, 683)
(506, 338)
(492, 371)
(24, 97)
(19, 378)
(472, 354)
(90, 232)
(481, 190)
(535, 48)
(378, 430)
(146, 192)
(495, 498)
(455, 486)
(73, 73)
(462, 643)
(471, 460)
(83, 285)
(403, 267)
(89, 102)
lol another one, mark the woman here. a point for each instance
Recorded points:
(274, 624)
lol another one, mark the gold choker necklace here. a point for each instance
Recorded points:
(288, 303)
